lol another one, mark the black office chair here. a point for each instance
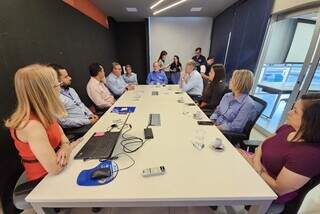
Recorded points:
(237, 138)
(208, 112)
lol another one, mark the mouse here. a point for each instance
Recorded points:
(101, 173)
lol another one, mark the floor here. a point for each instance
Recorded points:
(311, 204)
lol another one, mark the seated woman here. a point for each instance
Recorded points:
(41, 143)
(290, 158)
(237, 107)
(215, 88)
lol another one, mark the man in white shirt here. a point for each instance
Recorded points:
(191, 81)
(96, 89)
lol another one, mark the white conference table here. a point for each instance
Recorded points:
(193, 177)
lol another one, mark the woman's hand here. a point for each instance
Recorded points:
(63, 155)
(257, 166)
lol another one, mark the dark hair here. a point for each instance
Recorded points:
(210, 57)
(220, 72)
(57, 68)
(129, 66)
(179, 64)
(198, 49)
(162, 54)
(310, 123)
(94, 69)
(114, 64)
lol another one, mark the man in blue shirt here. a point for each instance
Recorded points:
(191, 81)
(79, 118)
(115, 81)
(157, 76)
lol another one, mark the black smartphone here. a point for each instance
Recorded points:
(205, 123)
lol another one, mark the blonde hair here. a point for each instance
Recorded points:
(242, 80)
(34, 86)
(191, 63)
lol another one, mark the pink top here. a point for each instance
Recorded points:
(99, 93)
(300, 157)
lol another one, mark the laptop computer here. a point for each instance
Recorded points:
(100, 147)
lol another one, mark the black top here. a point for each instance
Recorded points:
(201, 60)
(213, 93)
(175, 68)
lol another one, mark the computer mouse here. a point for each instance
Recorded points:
(101, 173)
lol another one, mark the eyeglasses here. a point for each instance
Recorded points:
(57, 85)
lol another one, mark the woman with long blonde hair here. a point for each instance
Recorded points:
(41, 143)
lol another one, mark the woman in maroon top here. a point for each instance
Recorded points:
(290, 158)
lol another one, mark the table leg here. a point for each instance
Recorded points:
(38, 209)
(260, 209)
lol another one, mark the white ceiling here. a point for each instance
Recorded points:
(117, 8)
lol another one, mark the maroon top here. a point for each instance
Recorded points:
(300, 157)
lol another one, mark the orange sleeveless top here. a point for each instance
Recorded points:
(33, 168)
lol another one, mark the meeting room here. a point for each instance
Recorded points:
(160, 106)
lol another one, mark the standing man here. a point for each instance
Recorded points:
(79, 118)
(96, 89)
(115, 81)
(199, 59)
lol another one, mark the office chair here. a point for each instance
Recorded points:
(293, 206)
(208, 112)
(21, 190)
(237, 138)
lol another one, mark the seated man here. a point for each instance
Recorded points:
(157, 76)
(191, 81)
(130, 77)
(115, 81)
(97, 91)
(79, 118)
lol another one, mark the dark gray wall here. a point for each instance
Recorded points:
(132, 47)
(44, 31)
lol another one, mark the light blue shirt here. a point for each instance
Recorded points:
(232, 114)
(116, 84)
(155, 78)
(77, 113)
(132, 79)
(194, 84)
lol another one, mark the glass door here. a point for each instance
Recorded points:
(284, 62)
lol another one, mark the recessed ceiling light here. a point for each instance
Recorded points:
(196, 9)
(156, 4)
(132, 9)
(168, 7)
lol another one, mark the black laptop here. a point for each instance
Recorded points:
(100, 147)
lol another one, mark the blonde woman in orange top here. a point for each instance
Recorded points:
(41, 143)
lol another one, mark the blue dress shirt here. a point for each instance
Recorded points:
(194, 84)
(116, 84)
(77, 113)
(232, 114)
(155, 78)
(132, 79)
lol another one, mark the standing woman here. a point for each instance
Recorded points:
(175, 69)
(41, 143)
(162, 59)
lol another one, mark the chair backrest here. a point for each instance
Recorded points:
(260, 105)
(294, 205)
